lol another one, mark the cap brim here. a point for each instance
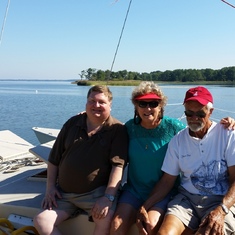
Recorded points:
(149, 96)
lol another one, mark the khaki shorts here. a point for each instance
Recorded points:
(192, 209)
(75, 204)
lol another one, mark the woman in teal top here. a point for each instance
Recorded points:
(149, 134)
(147, 148)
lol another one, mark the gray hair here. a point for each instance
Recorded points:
(209, 106)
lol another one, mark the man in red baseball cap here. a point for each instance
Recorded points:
(204, 155)
(198, 103)
(200, 94)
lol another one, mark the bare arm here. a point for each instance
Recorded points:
(51, 191)
(52, 172)
(101, 208)
(114, 180)
(161, 189)
(229, 198)
(214, 222)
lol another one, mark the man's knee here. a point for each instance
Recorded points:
(39, 220)
(46, 221)
(41, 224)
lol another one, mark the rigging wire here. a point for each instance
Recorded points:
(123, 27)
(4, 21)
(231, 5)
(125, 24)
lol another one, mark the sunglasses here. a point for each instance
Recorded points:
(199, 114)
(151, 104)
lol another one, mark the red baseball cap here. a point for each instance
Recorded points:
(148, 96)
(200, 94)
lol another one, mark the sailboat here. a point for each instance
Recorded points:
(23, 182)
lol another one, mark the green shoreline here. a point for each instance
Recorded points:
(137, 82)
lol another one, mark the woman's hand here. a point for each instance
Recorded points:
(142, 221)
(228, 123)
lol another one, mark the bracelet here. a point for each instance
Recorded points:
(224, 208)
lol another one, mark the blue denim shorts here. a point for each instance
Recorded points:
(131, 199)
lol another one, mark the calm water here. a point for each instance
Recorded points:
(25, 104)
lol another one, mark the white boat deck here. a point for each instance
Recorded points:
(17, 165)
(42, 151)
(22, 191)
(12, 146)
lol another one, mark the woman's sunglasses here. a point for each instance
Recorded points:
(151, 104)
(199, 114)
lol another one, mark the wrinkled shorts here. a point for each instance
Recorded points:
(192, 209)
(75, 204)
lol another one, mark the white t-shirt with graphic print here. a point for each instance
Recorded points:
(202, 163)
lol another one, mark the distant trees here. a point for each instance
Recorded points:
(178, 75)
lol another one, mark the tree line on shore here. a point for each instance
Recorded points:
(226, 74)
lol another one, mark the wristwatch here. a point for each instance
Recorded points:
(110, 197)
(224, 208)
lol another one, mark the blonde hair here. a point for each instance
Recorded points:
(146, 88)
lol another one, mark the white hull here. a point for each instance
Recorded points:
(45, 135)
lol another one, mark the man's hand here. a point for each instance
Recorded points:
(142, 221)
(49, 201)
(213, 224)
(101, 208)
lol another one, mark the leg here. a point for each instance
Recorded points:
(46, 222)
(156, 217)
(102, 226)
(124, 218)
(173, 226)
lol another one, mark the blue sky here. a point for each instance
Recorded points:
(57, 39)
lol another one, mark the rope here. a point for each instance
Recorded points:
(14, 165)
(4, 21)
(224, 110)
(127, 13)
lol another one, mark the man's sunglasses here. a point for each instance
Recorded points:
(199, 114)
(151, 104)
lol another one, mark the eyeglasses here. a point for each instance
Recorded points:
(151, 104)
(189, 113)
